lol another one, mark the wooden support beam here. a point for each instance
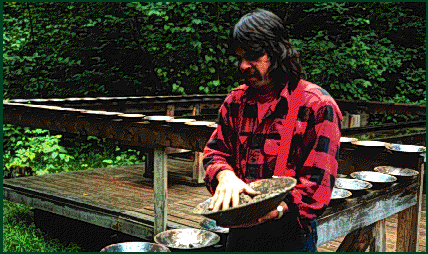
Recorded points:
(198, 168)
(364, 118)
(170, 108)
(354, 121)
(149, 162)
(379, 234)
(196, 110)
(409, 219)
(345, 120)
(358, 240)
(160, 180)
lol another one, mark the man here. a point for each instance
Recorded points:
(275, 124)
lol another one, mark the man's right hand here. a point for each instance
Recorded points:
(228, 189)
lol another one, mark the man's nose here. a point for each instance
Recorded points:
(244, 65)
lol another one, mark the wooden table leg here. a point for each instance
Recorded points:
(149, 163)
(409, 219)
(160, 181)
(198, 169)
(379, 233)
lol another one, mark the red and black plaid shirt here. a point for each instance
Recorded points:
(250, 149)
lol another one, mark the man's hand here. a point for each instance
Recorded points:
(269, 216)
(228, 189)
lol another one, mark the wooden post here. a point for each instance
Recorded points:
(345, 120)
(196, 110)
(354, 121)
(160, 190)
(379, 233)
(364, 118)
(409, 219)
(170, 110)
(198, 168)
(149, 163)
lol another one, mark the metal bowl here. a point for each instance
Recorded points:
(347, 140)
(181, 120)
(89, 99)
(273, 192)
(56, 99)
(105, 98)
(340, 193)
(19, 101)
(406, 148)
(40, 100)
(341, 176)
(396, 171)
(187, 238)
(93, 112)
(369, 143)
(158, 118)
(352, 184)
(211, 225)
(131, 117)
(201, 123)
(373, 177)
(135, 247)
(73, 99)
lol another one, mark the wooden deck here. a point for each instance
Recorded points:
(121, 198)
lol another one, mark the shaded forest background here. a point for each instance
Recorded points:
(368, 51)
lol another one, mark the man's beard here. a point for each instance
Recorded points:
(250, 77)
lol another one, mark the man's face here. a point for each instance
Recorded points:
(254, 68)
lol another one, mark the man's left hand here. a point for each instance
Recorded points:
(272, 215)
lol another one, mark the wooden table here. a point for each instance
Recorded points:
(120, 198)
(360, 217)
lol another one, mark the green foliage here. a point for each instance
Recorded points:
(53, 153)
(93, 152)
(37, 150)
(370, 51)
(21, 235)
(353, 60)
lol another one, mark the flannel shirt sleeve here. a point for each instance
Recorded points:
(218, 151)
(312, 194)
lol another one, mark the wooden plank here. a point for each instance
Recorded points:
(160, 190)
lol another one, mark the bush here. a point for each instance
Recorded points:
(46, 153)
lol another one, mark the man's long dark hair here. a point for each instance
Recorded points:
(262, 31)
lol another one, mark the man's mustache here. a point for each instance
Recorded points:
(250, 74)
